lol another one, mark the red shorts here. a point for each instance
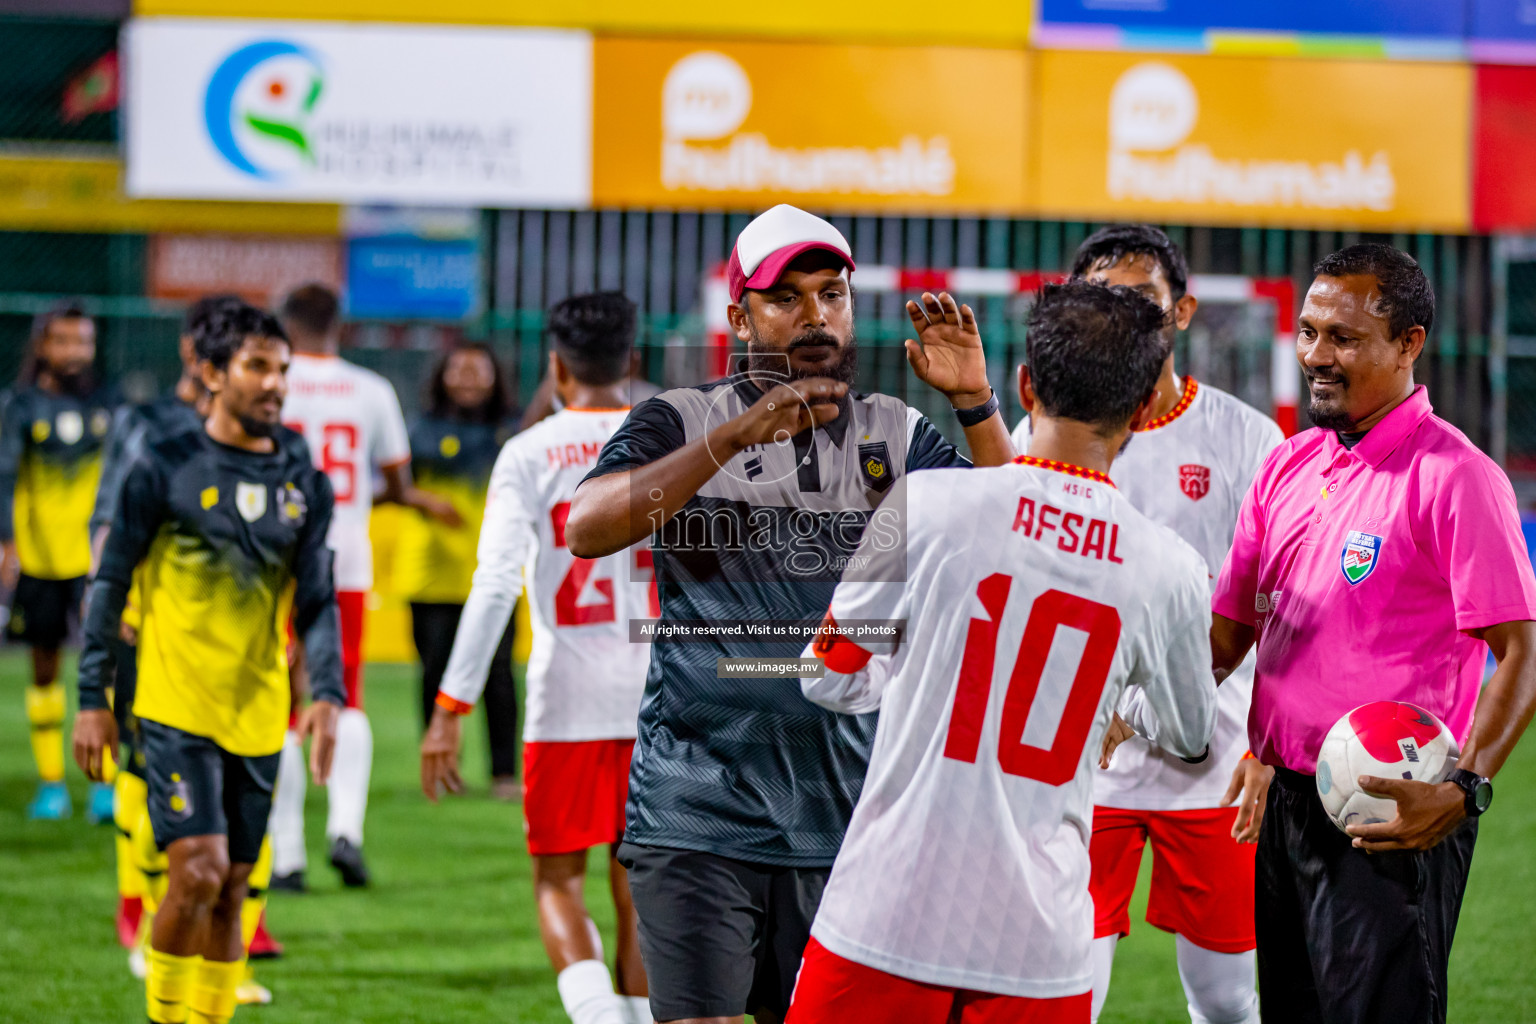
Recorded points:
(1202, 878)
(832, 990)
(353, 605)
(574, 794)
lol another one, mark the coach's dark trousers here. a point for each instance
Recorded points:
(1348, 937)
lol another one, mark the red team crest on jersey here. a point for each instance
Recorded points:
(1195, 481)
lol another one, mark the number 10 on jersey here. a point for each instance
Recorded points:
(1057, 764)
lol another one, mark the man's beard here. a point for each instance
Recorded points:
(778, 367)
(1331, 416)
(75, 382)
(256, 427)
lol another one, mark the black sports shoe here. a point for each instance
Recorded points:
(293, 881)
(348, 860)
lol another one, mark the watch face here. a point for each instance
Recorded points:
(1482, 795)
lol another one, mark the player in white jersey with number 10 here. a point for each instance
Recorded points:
(1187, 469)
(351, 418)
(585, 676)
(1033, 596)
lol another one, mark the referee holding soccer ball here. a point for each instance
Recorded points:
(1358, 927)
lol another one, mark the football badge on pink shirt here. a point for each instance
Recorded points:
(1195, 481)
(1361, 553)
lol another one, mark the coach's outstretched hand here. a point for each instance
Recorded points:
(440, 755)
(1426, 813)
(1251, 778)
(95, 732)
(947, 354)
(318, 725)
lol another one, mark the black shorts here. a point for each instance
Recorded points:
(42, 610)
(197, 788)
(1345, 936)
(719, 937)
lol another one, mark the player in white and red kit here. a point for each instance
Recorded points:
(585, 676)
(1188, 469)
(1033, 595)
(351, 418)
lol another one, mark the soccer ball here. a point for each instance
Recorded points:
(1387, 739)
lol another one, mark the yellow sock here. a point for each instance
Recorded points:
(45, 712)
(150, 861)
(250, 917)
(129, 800)
(168, 985)
(256, 902)
(213, 997)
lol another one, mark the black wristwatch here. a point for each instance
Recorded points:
(1478, 789)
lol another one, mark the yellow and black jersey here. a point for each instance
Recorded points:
(227, 543)
(50, 463)
(434, 563)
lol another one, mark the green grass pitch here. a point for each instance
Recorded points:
(447, 933)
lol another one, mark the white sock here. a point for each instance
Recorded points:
(348, 788)
(586, 990)
(287, 822)
(640, 1010)
(1103, 954)
(1220, 986)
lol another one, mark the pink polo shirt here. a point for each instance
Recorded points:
(1363, 571)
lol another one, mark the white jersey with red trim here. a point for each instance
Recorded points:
(351, 418)
(1189, 471)
(1034, 594)
(585, 677)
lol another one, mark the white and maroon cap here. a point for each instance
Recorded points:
(768, 244)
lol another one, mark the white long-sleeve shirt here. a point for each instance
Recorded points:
(1032, 595)
(585, 677)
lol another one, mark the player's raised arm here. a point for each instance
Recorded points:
(646, 473)
(948, 356)
(507, 542)
(137, 517)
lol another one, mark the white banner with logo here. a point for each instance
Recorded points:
(358, 113)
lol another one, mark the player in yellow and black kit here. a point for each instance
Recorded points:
(51, 435)
(453, 448)
(225, 529)
(140, 868)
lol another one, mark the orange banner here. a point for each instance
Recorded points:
(1253, 140)
(745, 125)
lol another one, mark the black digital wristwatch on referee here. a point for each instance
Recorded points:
(1478, 789)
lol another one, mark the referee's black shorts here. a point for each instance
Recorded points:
(1348, 937)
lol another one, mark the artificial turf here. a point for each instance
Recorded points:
(447, 932)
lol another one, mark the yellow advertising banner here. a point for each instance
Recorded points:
(84, 193)
(745, 125)
(1251, 140)
(978, 21)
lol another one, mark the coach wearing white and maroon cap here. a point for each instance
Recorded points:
(756, 489)
(1357, 928)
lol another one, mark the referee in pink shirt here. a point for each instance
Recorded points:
(1357, 928)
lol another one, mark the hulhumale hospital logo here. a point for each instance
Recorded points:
(258, 107)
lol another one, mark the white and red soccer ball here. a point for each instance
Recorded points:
(1390, 740)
